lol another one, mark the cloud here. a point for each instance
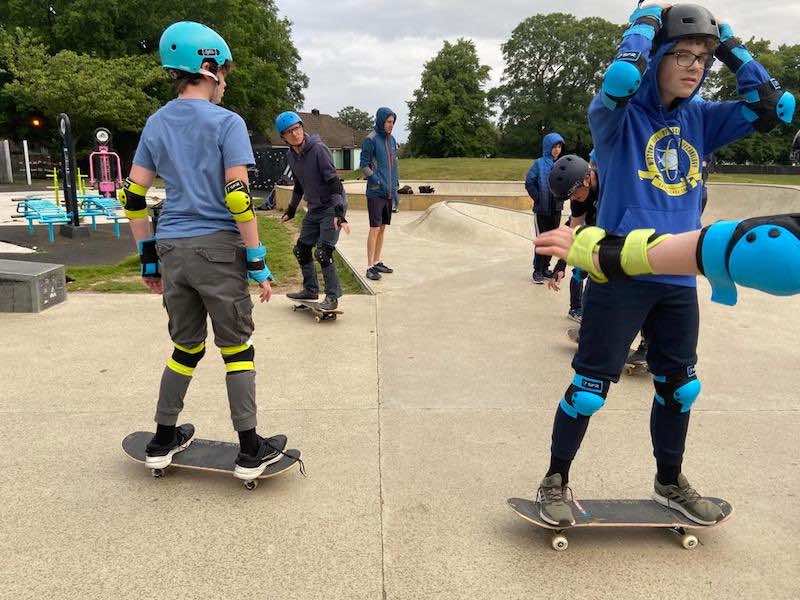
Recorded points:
(370, 53)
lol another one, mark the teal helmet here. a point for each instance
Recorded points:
(186, 44)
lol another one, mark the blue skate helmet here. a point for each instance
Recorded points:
(185, 45)
(286, 120)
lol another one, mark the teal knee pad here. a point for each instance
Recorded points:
(585, 396)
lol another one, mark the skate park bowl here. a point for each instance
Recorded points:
(507, 194)
(468, 221)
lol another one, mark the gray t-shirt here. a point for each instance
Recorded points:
(190, 143)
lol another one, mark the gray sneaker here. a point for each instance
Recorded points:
(685, 499)
(553, 507)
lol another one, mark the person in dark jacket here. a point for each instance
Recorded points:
(316, 180)
(545, 206)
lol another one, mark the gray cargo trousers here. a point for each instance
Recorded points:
(206, 276)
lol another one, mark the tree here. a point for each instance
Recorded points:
(356, 118)
(98, 34)
(449, 115)
(760, 148)
(554, 66)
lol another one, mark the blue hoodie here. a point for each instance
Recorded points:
(379, 159)
(537, 181)
(649, 156)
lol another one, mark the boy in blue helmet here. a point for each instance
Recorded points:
(650, 138)
(206, 246)
(316, 180)
(379, 166)
(546, 207)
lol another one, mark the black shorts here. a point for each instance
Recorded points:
(614, 312)
(380, 211)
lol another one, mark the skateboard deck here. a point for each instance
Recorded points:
(319, 313)
(619, 513)
(207, 455)
(636, 368)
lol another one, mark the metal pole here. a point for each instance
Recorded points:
(68, 160)
(27, 161)
(5, 163)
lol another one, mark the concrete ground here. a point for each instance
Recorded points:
(418, 412)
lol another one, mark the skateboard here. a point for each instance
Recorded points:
(619, 513)
(636, 368)
(208, 455)
(319, 313)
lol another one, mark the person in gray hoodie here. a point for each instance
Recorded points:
(316, 180)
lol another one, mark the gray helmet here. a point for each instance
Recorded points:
(688, 20)
(567, 174)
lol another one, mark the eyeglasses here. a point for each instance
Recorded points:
(686, 59)
(293, 129)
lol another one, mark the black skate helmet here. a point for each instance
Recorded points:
(688, 20)
(567, 175)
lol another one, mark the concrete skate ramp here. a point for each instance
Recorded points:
(465, 223)
(741, 200)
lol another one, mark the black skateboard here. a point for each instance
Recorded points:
(319, 313)
(619, 513)
(208, 455)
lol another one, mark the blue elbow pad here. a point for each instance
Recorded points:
(762, 253)
(624, 76)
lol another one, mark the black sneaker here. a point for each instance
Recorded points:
(160, 457)
(330, 303)
(538, 278)
(382, 268)
(373, 274)
(548, 274)
(270, 450)
(303, 295)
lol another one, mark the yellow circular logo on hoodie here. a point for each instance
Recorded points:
(663, 159)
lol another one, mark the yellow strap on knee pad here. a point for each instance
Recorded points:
(633, 258)
(133, 198)
(583, 249)
(239, 202)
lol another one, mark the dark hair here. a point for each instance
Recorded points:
(182, 79)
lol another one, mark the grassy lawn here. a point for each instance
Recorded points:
(278, 237)
(514, 169)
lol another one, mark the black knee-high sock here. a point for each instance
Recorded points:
(568, 434)
(165, 434)
(248, 442)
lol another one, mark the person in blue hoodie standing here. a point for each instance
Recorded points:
(546, 207)
(650, 139)
(379, 166)
(316, 180)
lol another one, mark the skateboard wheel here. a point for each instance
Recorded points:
(333, 317)
(317, 319)
(689, 542)
(559, 543)
(157, 473)
(250, 485)
(294, 309)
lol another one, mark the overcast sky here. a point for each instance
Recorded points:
(370, 53)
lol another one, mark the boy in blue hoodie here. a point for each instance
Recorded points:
(546, 207)
(650, 138)
(379, 166)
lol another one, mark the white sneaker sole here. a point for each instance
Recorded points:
(675, 506)
(250, 473)
(162, 462)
